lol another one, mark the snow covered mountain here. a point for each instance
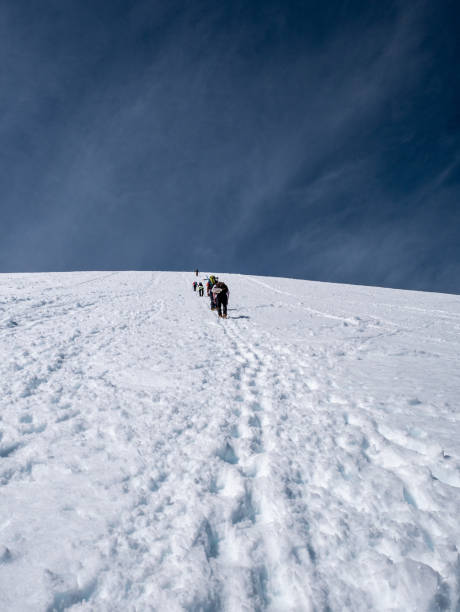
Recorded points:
(303, 454)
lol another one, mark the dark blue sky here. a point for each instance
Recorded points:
(319, 140)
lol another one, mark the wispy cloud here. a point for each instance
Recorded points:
(171, 122)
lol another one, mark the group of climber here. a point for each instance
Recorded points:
(217, 291)
(198, 286)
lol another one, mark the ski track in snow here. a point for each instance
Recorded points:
(302, 455)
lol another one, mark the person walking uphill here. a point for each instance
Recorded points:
(221, 293)
(200, 289)
(212, 281)
(195, 285)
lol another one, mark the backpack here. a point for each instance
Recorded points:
(220, 287)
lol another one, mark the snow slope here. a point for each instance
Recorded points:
(302, 455)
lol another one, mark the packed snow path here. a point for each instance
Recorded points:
(304, 454)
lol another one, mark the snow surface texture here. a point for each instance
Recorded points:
(302, 455)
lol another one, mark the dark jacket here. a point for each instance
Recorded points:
(220, 287)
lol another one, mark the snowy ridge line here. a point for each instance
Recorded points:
(154, 457)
